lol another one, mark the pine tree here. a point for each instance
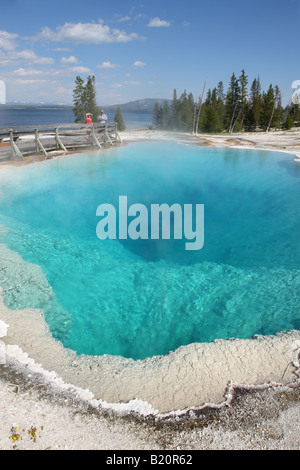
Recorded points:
(90, 98)
(278, 118)
(84, 99)
(220, 92)
(185, 113)
(297, 112)
(208, 98)
(268, 108)
(289, 122)
(157, 116)
(211, 119)
(256, 101)
(220, 104)
(165, 115)
(119, 120)
(174, 111)
(243, 80)
(78, 100)
(233, 102)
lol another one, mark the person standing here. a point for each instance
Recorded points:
(88, 119)
(102, 118)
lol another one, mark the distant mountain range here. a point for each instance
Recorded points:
(146, 104)
(21, 104)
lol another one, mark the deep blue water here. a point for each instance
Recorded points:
(139, 298)
(48, 116)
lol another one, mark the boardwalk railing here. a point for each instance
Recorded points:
(18, 142)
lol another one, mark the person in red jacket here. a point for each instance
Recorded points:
(88, 118)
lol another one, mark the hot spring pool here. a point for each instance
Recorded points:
(139, 298)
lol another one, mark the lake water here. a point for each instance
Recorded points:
(48, 116)
(139, 298)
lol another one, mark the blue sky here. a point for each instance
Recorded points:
(144, 49)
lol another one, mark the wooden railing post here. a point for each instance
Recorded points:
(58, 141)
(15, 151)
(106, 136)
(38, 143)
(94, 138)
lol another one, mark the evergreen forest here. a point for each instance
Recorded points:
(240, 108)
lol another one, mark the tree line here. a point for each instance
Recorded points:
(239, 109)
(85, 101)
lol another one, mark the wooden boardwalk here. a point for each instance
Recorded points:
(46, 141)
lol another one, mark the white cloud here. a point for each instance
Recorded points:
(124, 18)
(26, 56)
(61, 49)
(107, 65)
(26, 81)
(157, 23)
(69, 60)
(32, 58)
(139, 15)
(131, 82)
(21, 72)
(8, 45)
(86, 33)
(80, 69)
(7, 41)
(138, 63)
(63, 91)
(31, 72)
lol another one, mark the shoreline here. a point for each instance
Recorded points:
(288, 368)
(278, 141)
(163, 385)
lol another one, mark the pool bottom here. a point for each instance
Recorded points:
(126, 306)
(190, 376)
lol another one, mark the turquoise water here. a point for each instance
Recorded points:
(139, 298)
